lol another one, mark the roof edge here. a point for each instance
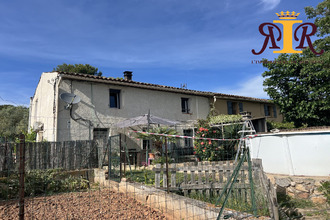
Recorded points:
(131, 83)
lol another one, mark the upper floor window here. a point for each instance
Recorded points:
(185, 105)
(270, 110)
(114, 98)
(234, 108)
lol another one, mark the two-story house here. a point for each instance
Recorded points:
(105, 101)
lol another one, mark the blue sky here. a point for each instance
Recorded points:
(203, 43)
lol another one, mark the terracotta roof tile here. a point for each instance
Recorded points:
(132, 83)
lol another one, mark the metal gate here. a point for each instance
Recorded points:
(118, 158)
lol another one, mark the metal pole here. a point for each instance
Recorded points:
(166, 157)
(124, 158)
(21, 175)
(149, 142)
(109, 157)
(120, 156)
(253, 199)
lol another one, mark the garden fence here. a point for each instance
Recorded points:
(93, 180)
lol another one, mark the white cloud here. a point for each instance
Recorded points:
(270, 4)
(251, 87)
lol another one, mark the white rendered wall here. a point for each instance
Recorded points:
(294, 153)
(42, 106)
(94, 106)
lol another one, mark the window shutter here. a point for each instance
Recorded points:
(274, 111)
(230, 107)
(266, 110)
(240, 107)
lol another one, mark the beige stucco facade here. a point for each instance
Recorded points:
(94, 106)
(93, 111)
(257, 108)
(54, 121)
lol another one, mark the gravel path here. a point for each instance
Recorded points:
(99, 204)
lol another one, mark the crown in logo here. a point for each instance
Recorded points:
(287, 15)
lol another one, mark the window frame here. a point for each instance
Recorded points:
(270, 111)
(188, 142)
(116, 94)
(234, 108)
(185, 105)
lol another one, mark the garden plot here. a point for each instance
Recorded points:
(97, 204)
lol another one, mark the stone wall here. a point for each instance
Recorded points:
(300, 187)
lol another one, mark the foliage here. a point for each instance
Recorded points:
(325, 188)
(279, 125)
(218, 119)
(78, 68)
(30, 136)
(238, 203)
(299, 83)
(321, 14)
(13, 121)
(40, 182)
(161, 160)
(287, 202)
(158, 140)
(208, 150)
(141, 176)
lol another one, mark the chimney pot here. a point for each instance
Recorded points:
(128, 75)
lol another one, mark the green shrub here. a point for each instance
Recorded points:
(41, 182)
(325, 188)
(279, 125)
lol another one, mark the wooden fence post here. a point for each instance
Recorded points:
(200, 170)
(157, 175)
(21, 175)
(173, 175)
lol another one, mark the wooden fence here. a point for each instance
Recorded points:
(211, 178)
(202, 177)
(69, 155)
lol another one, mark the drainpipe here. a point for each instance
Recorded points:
(56, 121)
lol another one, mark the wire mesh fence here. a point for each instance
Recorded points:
(111, 180)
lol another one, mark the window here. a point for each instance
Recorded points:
(234, 108)
(145, 142)
(114, 98)
(270, 110)
(185, 105)
(188, 142)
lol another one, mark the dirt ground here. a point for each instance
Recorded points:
(99, 204)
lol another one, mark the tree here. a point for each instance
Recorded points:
(300, 84)
(13, 120)
(78, 68)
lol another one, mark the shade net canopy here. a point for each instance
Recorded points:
(145, 120)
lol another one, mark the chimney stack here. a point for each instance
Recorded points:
(128, 75)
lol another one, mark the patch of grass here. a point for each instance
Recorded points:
(145, 176)
(325, 188)
(289, 202)
(236, 201)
